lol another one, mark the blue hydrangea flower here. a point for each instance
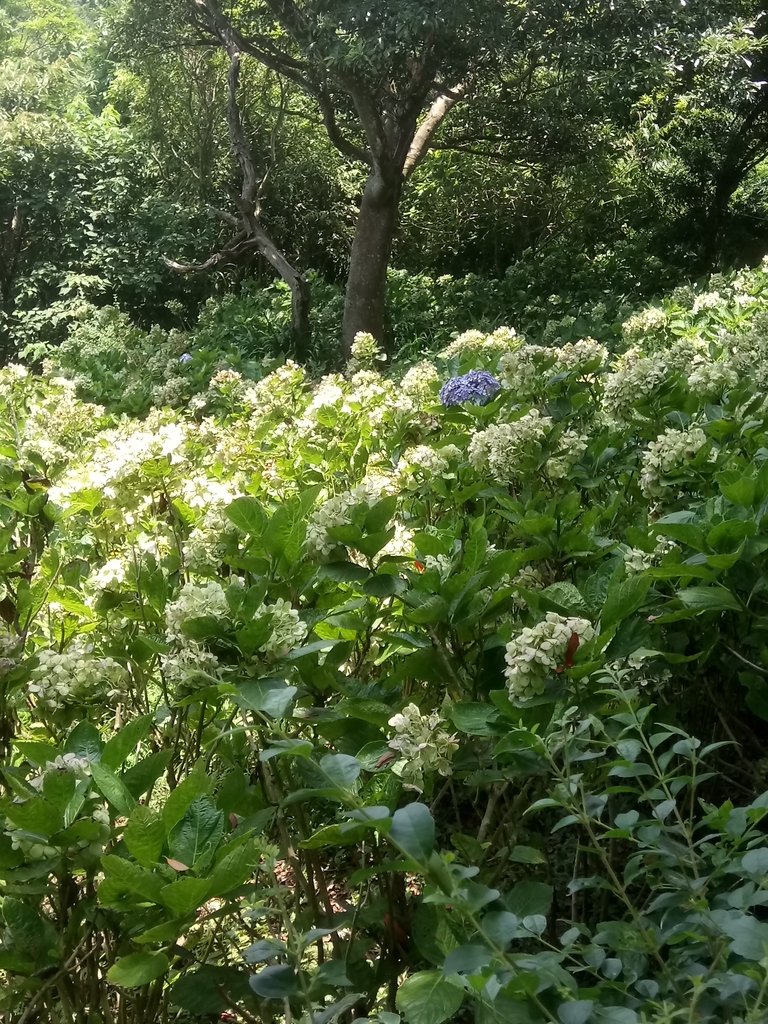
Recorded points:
(478, 387)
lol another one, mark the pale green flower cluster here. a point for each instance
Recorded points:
(571, 446)
(424, 462)
(278, 391)
(521, 370)
(207, 543)
(226, 382)
(337, 511)
(117, 457)
(58, 423)
(637, 560)
(441, 564)
(538, 651)
(111, 575)
(287, 629)
(74, 676)
(95, 810)
(527, 578)
(499, 448)
(365, 352)
(648, 321)
(581, 357)
(636, 378)
(195, 601)
(706, 300)
(503, 339)
(667, 457)
(421, 384)
(423, 745)
(188, 666)
(710, 378)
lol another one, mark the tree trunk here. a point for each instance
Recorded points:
(367, 279)
(301, 328)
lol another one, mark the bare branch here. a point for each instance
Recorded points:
(232, 254)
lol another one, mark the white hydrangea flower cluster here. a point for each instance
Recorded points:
(365, 351)
(329, 392)
(521, 370)
(423, 745)
(503, 339)
(111, 575)
(528, 578)
(441, 564)
(668, 456)
(538, 651)
(95, 809)
(706, 300)
(195, 601)
(636, 560)
(58, 423)
(421, 384)
(649, 321)
(188, 666)
(74, 676)
(278, 391)
(172, 392)
(570, 447)
(711, 378)
(636, 377)
(287, 628)
(581, 357)
(226, 382)
(116, 458)
(337, 511)
(206, 545)
(499, 448)
(424, 461)
(202, 492)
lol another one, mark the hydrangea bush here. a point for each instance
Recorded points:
(296, 685)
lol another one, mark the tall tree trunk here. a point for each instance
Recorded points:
(367, 279)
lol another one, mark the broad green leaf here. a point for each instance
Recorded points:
(144, 835)
(196, 784)
(276, 982)
(185, 895)
(247, 515)
(527, 899)
(709, 599)
(474, 719)
(125, 741)
(137, 969)
(273, 697)
(209, 990)
(283, 748)
(428, 998)
(85, 741)
(194, 839)
(413, 830)
(623, 599)
(339, 770)
(112, 789)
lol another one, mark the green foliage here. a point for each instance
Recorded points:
(337, 698)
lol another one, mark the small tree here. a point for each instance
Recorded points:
(384, 76)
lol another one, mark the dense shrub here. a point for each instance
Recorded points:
(334, 697)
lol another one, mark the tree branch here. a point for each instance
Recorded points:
(429, 126)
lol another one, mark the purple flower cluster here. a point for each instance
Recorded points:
(477, 387)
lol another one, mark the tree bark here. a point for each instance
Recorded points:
(367, 278)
